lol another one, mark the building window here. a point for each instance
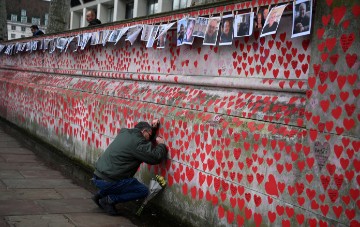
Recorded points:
(23, 19)
(129, 10)
(22, 36)
(46, 21)
(13, 36)
(13, 17)
(110, 14)
(13, 27)
(75, 3)
(35, 20)
(152, 6)
(23, 12)
(23, 28)
(180, 4)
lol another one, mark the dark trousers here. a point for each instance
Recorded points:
(121, 191)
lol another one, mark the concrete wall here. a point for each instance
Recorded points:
(264, 132)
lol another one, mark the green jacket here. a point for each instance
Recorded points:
(125, 154)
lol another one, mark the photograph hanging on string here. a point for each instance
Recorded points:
(226, 30)
(2, 47)
(212, 31)
(181, 28)
(34, 45)
(243, 25)
(200, 27)
(41, 44)
(261, 15)
(152, 38)
(302, 11)
(146, 31)
(28, 46)
(189, 38)
(161, 39)
(61, 43)
(113, 35)
(70, 41)
(9, 49)
(273, 20)
(95, 37)
(46, 44)
(84, 40)
(132, 33)
(121, 33)
(104, 37)
(17, 47)
(52, 45)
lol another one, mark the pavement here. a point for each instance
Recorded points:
(34, 194)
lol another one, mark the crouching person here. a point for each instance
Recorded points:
(115, 168)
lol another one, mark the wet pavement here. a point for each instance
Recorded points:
(34, 192)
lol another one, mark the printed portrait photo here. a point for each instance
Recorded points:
(273, 20)
(302, 11)
(261, 16)
(200, 27)
(181, 28)
(189, 38)
(243, 25)
(161, 39)
(226, 30)
(212, 31)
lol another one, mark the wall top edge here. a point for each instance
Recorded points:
(166, 17)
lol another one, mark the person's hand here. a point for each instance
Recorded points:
(155, 123)
(160, 140)
(299, 27)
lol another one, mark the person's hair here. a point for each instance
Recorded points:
(92, 10)
(223, 24)
(34, 26)
(302, 5)
(143, 125)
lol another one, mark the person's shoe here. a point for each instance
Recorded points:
(96, 199)
(109, 208)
